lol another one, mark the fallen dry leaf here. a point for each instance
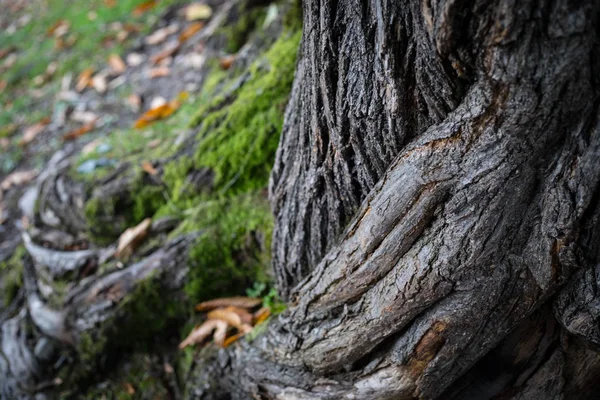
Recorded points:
(155, 114)
(3, 214)
(134, 59)
(240, 301)
(226, 315)
(84, 79)
(134, 101)
(74, 134)
(261, 315)
(159, 72)
(197, 11)
(110, 3)
(116, 63)
(161, 34)
(232, 339)
(84, 117)
(168, 51)
(32, 131)
(99, 83)
(244, 315)
(149, 168)
(91, 146)
(129, 388)
(157, 102)
(6, 51)
(58, 29)
(17, 178)
(226, 61)
(132, 237)
(3, 84)
(190, 31)
(4, 143)
(144, 7)
(220, 334)
(200, 333)
(154, 143)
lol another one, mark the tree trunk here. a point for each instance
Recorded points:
(436, 193)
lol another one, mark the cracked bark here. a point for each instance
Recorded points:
(436, 193)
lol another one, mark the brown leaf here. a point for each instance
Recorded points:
(134, 101)
(159, 72)
(58, 29)
(244, 315)
(4, 143)
(110, 3)
(168, 51)
(154, 143)
(132, 237)
(129, 388)
(161, 34)
(74, 134)
(149, 168)
(116, 63)
(32, 131)
(220, 333)
(240, 301)
(91, 146)
(17, 178)
(144, 7)
(84, 79)
(226, 315)
(197, 11)
(190, 31)
(6, 51)
(200, 333)
(225, 62)
(154, 114)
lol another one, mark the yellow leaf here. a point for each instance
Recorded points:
(261, 315)
(197, 11)
(155, 114)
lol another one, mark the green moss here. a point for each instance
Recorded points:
(108, 215)
(247, 19)
(233, 250)
(239, 141)
(11, 275)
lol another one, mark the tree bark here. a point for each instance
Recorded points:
(436, 193)
(437, 201)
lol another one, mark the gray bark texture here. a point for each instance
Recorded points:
(436, 193)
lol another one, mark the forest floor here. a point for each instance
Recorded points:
(109, 81)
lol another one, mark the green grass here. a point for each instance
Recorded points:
(36, 49)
